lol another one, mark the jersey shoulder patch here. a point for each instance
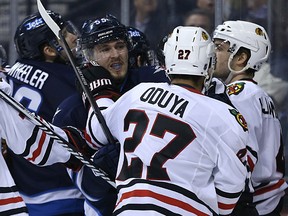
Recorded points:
(235, 88)
(239, 118)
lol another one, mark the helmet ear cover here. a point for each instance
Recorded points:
(243, 34)
(187, 51)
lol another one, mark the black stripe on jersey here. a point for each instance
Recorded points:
(143, 207)
(168, 186)
(254, 153)
(14, 211)
(228, 195)
(47, 152)
(30, 142)
(90, 130)
(8, 189)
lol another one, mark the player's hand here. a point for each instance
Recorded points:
(107, 158)
(4, 86)
(101, 84)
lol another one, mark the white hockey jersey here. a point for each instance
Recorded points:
(27, 140)
(265, 132)
(182, 153)
(11, 203)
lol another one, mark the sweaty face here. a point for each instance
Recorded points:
(113, 56)
(222, 55)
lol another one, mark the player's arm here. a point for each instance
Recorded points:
(231, 173)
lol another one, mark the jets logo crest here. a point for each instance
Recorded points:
(239, 118)
(236, 88)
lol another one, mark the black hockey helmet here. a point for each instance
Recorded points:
(140, 47)
(103, 30)
(33, 32)
(160, 51)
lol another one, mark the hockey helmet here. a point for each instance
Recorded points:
(140, 47)
(33, 32)
(248, 35)
(102, 30)
(188, 52)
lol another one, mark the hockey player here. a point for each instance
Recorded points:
(162, 127)
(241, 48)
(41, 80)
(11, 203)
(140, 53)
(105, 42)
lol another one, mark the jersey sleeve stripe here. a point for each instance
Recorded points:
(37, 152)
(10, 200)
(269, 188)
(140, 184)
(143, 207)
(162, 198)
(30, 142)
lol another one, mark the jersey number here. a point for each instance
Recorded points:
(184, 135)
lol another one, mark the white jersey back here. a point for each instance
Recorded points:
(181, 151)
(265, 133)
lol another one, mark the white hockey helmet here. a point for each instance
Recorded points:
(248, 35)
(186, 51)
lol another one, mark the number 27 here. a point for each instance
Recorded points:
(184, 135)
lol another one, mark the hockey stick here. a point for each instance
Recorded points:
(48, 129)
(57, 31)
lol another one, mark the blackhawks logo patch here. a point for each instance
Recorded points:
(239, 118)
(236, 88)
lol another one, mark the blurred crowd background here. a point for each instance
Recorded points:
(156, 18)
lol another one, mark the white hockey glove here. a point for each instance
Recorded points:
(5, 87)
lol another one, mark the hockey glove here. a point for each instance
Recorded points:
(107, 159)
(76, 138)
(101, 84)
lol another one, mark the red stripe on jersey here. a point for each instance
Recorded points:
(226, 206)
(10, 200)
(37, 152)
(269, 188)
(250, 163)
(162, 198)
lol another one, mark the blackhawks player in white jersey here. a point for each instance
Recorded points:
(182, 153)
(11, 203)
(241, 48)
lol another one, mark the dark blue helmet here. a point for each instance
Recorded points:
(140, 48)
(33, 33)
(102, 30)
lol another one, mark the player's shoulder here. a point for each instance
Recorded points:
(244, 87)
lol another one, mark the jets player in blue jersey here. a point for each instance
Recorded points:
(41, 80)
(119, 48)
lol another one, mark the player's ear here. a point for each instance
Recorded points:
(242, 58)
(48, 51)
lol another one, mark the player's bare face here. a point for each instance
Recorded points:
(222, 56)
(113, 56)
